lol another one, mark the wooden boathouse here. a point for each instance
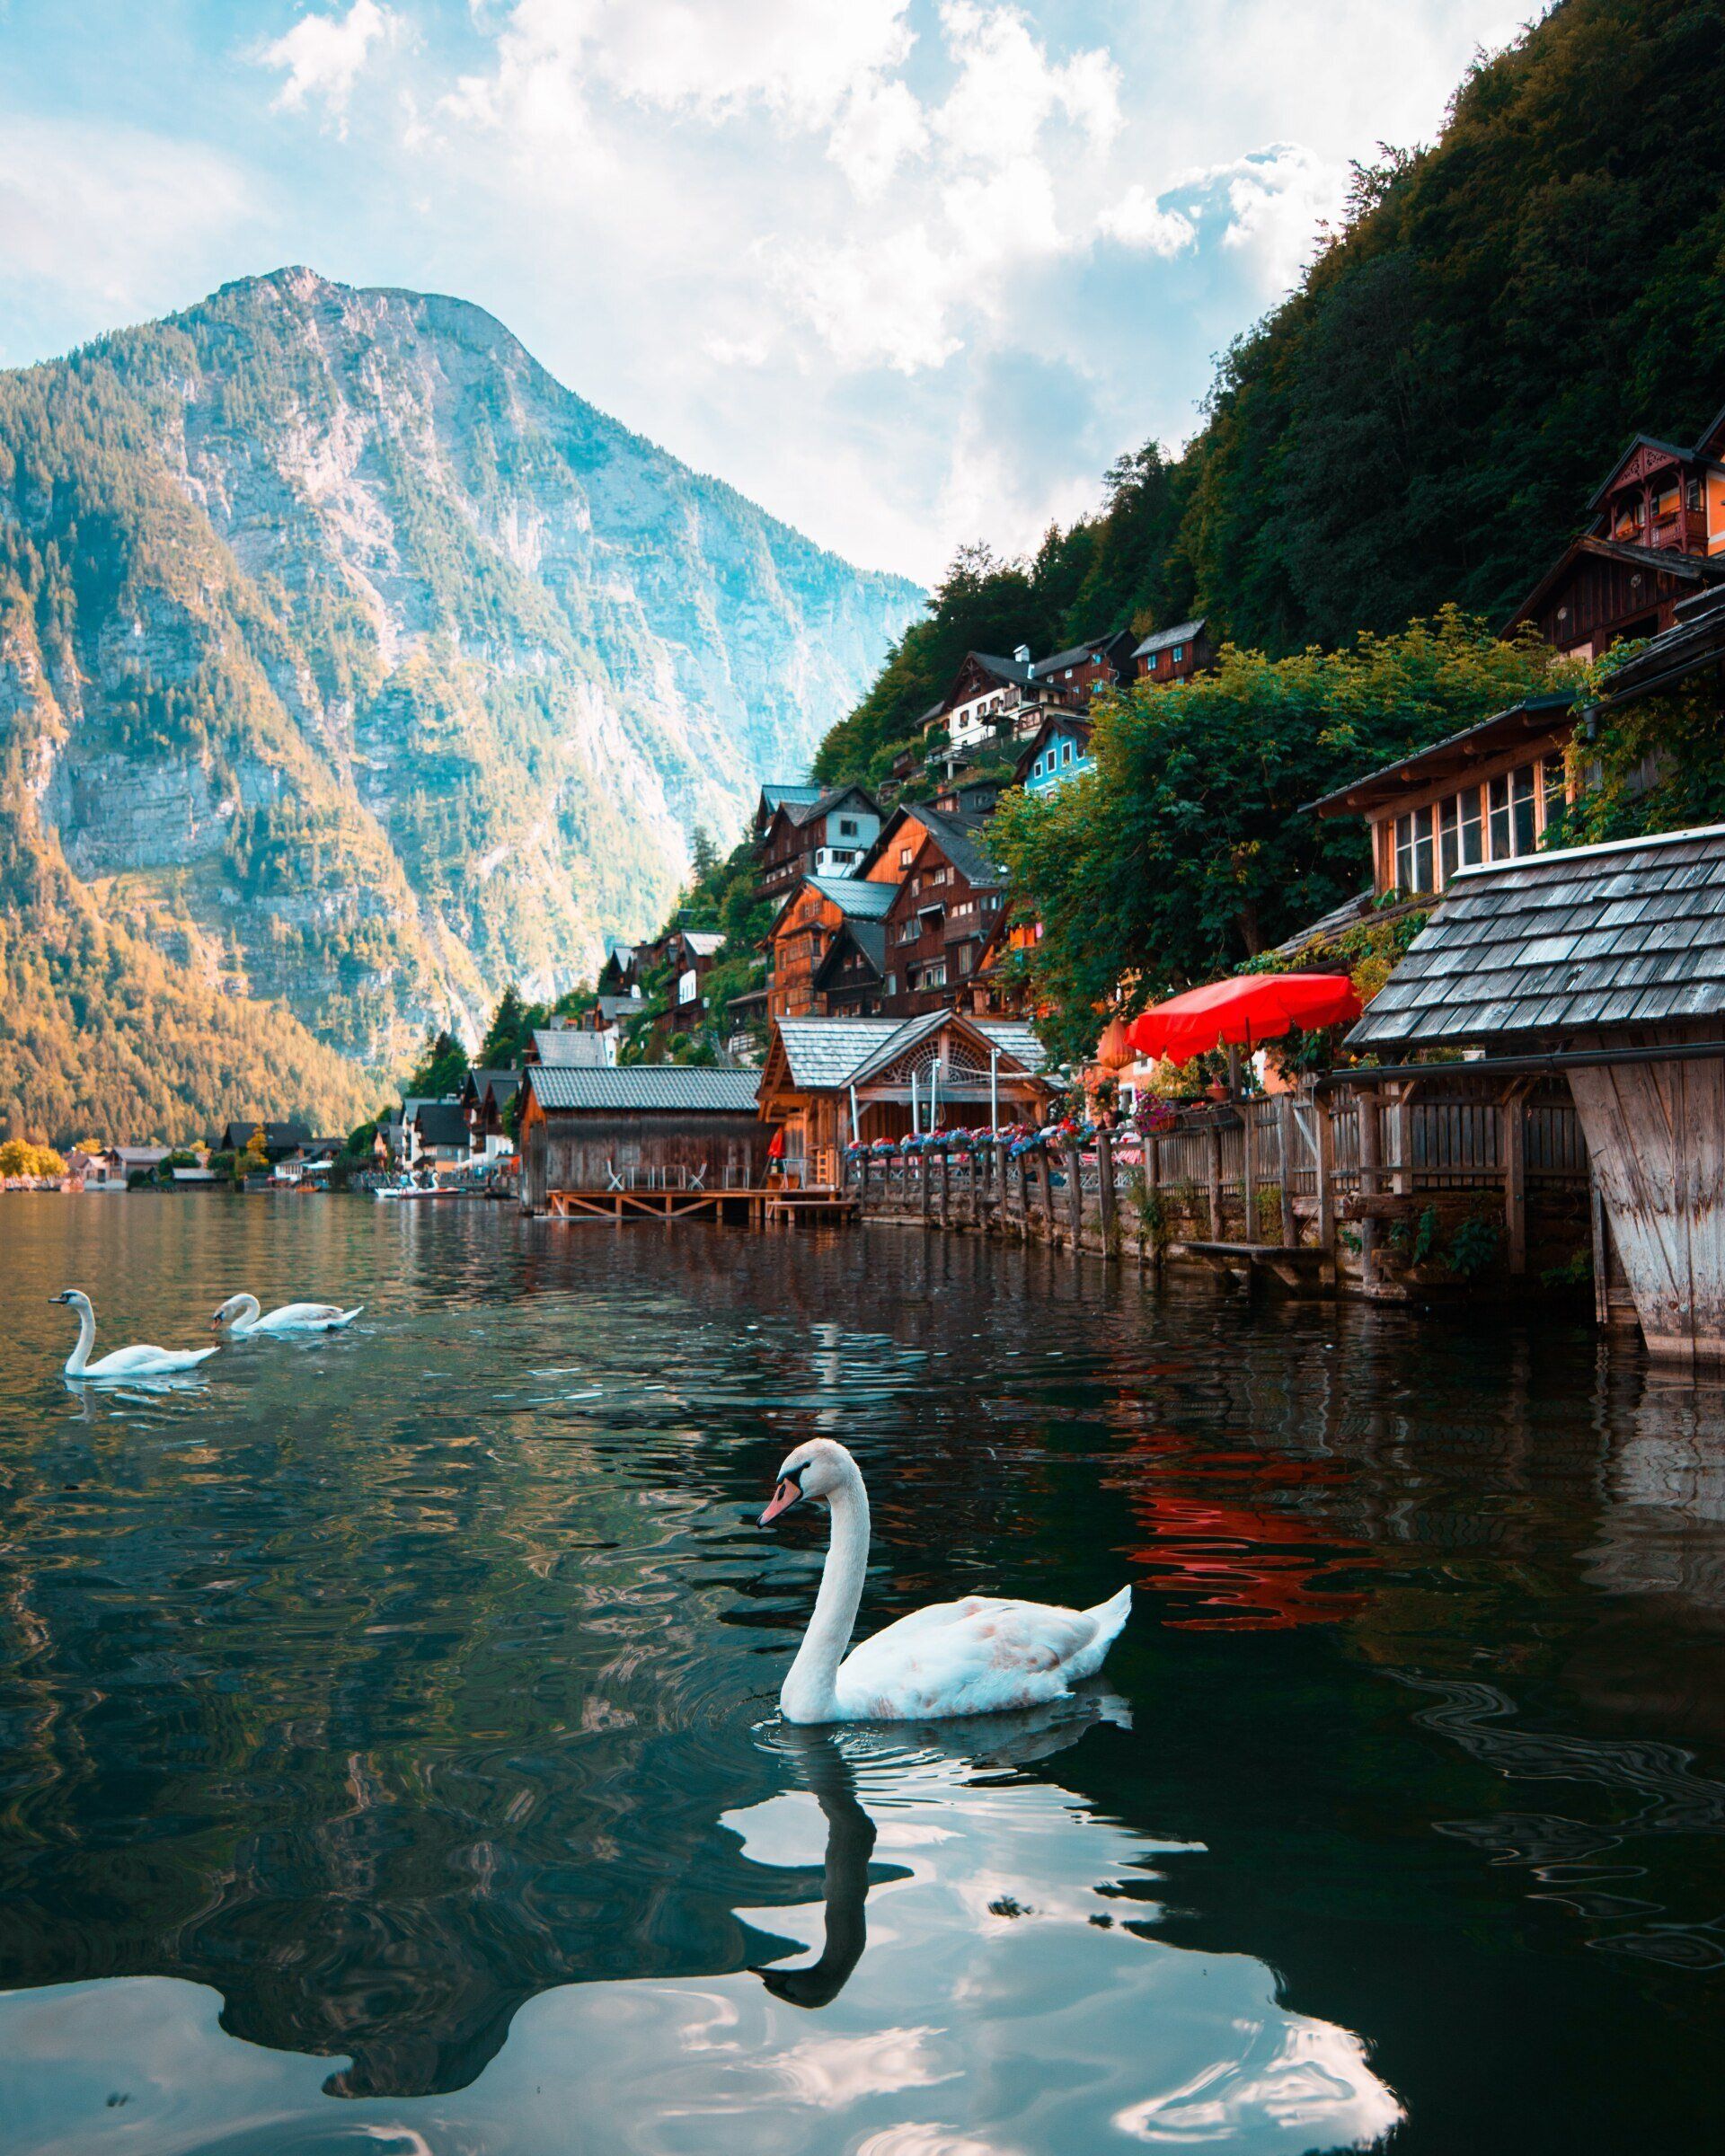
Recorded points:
(1602, 967)
(660, 1139)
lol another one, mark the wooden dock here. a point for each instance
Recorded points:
(743, 1208)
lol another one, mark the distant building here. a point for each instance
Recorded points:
(485, 1098)
(568, 1045)
(1057, 751)
(1176, 654)
(803, 930)
(1654, 535)
(825, 836)
(620, 974)
(436, 1136)
(594, 1130)
(279, 1139)
(950, 895)
(691, 954)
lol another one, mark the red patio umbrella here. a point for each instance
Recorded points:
(1250, 1009)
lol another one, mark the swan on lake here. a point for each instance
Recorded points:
(124, 1362)
(979, 1656)
(245, 1313)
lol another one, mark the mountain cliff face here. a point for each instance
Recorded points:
(348, 664)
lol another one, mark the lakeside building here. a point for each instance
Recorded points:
(279, 1139)
(1604, 964)
(827, 1079)
(1488, 793)
(485, 1098)
(435, 1136)
(670, 1125)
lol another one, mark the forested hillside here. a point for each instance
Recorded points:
(1423, 422)
(351, 663)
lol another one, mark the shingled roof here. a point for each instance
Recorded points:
(1595, 937)
(567, 1047)
(824, 1053)
(647, 1086)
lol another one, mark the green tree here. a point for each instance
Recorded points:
(441, 1067)
(1188, 849)
(509, 1032)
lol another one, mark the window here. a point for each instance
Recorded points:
(1065, 751)
(934, 976)
(892, 983)
(1472, 831)
(687, 987)
(847, 826)
(1178, 653)
(903, 857)
(1521, 808)
(1413, 868)
(1499, 793)
(966, 958)
(1692, 497)
(1449, 837)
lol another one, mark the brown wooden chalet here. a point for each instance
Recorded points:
(826, 836)
(1175, 654)
(1105, 662)
(804, 929)
(941, 915)
(1655, 535)
(851, 979)
(620, 975)
(826, 1079)
(1486, 794)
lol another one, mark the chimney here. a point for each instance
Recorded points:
(1022, 655)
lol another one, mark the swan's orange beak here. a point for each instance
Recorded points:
(783, 1498)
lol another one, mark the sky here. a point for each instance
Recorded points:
(907, 272)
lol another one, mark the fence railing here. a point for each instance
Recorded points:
(1289, 1174)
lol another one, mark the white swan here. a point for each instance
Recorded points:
(124, 1362)
(246, 1314)
(980, 1655)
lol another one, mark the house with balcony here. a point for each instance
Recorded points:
(1654, 535)
(941, 916)
(825, 836)
(804, 929)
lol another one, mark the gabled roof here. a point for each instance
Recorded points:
(1002, 669)
(1627, 934)
(567, 1048)
(823, 1054)
(1502, 730)
(773, 795)
(1073, 723)
(439, 1123)
(825, 803)
(615, 947)
(1687, 568)
(279, 1137)
(961, 838)
(648, 1087)
(1096, 647)
(869, 938)
(856, 898)
(705, 942)
(477, 1082)
(617, 1007)
(1695, 641)
(1640, 441)
(1161, 640)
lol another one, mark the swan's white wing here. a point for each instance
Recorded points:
(973, 1657)
(291, 1316)
(138, 1362)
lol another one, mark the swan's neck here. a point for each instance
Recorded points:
(80, 1355)
(247, 1315)
(809, 1693)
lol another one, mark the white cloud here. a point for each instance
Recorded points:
(1139, 221)
(113, 213)
(1276, 199)
(322, 57)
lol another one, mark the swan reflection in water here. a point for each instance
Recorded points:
(827, 1757)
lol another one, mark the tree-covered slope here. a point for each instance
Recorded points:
(1423, 422)
(351, 663)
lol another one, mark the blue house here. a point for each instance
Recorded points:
(1057, 751)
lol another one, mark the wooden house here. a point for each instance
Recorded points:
(1105, 662)
(942, 915)
(672, 1124)
(567, 1044)
(485, 1098)
(1485, 794)
(993, 702)
(851, 978)
(774, 796)
(1605, 965)
(1058, 750)
(825, 836)
(620, 974)
(1653, 535)
(1176, 654)
(828, 1079)
(279, 1139)
(691, 954)
(436, 1136)
(802, 932)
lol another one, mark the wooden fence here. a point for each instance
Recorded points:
(1307, 1187)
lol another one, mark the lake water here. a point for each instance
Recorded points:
(391, 1760)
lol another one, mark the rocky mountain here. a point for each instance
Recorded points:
(351, 665)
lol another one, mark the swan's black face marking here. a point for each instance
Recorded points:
(787, 1494)
(64, 1296)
